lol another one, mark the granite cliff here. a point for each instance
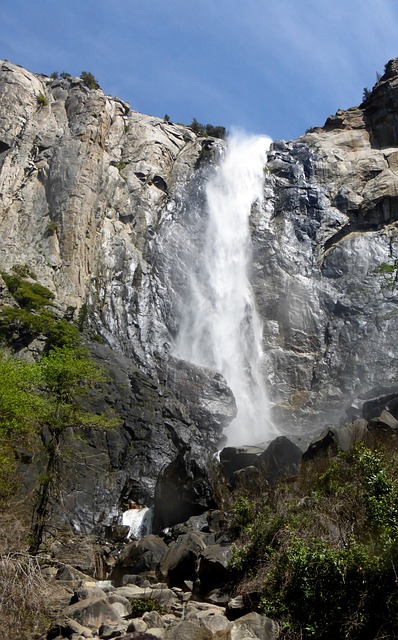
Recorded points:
(98, 201)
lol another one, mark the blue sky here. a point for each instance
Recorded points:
(267, 66)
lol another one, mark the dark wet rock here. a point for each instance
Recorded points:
(373, 407)
(139, 556)
(117, 532)
(184, 489)
(236, 608)
(280, 460)
(384, 422)
(269, 462)
(180, 562)
(213, 567)
(234, 458)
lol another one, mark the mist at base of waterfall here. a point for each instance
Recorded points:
(221, 328)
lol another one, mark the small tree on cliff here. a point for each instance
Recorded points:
(44, 399)
(89, 80)
(67, 375)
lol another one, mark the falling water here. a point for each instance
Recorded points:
(139, 521)
(221, 327)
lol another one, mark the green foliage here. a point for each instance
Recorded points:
(323, 552)
(366, 94)
(23, 271)
(322, 591)
(41, 99)
(20, 409)
(243, 514)
(389, 270)
(19, 325)
(82, 317)
(89, 80)
(208, 129)
(47, 393)
(120, 166)
(52, 227)
(29, 295)
(140, 605)
(166, 117)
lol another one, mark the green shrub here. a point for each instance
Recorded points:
(208, 129)
(20, 326)
(120, 166)
(139, 606)
(29, 295)
(23, 271)
(41, 99)
(52, 227)
(89, 80)
(322, 552)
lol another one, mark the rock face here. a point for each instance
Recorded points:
(105, 205)
(329, 221)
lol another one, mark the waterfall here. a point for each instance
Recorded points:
(221, 328)
(139, 521)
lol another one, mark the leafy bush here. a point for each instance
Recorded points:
(29, 295)
(322, 552)
(18, 327)
(41, 99)
(52, 227)
(139, 606)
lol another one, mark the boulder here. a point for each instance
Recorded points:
(139, 556)
(213, 567)
(333, 439)
(183, 489)
(254, 625)
(93, 612)
(372, 407)
(138, 635)
(385, 422)
(271, 462)
(187, 629)
(180, 562)
(218, 625)
(280, 460)
(234, 458)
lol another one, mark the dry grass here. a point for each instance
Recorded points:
(23, 597)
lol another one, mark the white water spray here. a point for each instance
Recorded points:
(221, 328)
(139, 521)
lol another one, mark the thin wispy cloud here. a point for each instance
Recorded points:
(276, 68)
